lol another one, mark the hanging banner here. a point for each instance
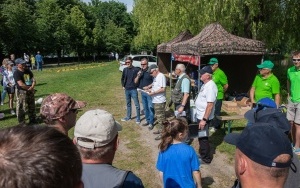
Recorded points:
(194, 60)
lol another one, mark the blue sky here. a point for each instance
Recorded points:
(128, 3)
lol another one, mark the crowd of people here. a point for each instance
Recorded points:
(264, 155)
(18, 82)
(208, 103)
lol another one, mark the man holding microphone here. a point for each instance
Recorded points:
(143, 80)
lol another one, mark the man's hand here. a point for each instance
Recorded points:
(202, 124)
(180, 109)
(30, 88)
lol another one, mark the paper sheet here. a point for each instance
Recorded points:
(183, 113)
(141, 90)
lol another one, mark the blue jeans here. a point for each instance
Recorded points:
(40, 66)
(132, 93)
(148, 108)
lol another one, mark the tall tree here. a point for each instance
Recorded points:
(114, 37)
(51, 27)
(19, 25)
(77, 28)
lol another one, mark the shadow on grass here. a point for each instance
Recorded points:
(42, 95)
(216, 139)
(8, 115)
(40, 84)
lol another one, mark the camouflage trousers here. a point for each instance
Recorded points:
(159, 109)
(25, 99)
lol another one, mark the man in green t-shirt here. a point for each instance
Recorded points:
(220, 78)
(265, 84)
(293, 108)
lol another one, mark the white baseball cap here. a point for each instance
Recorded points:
(99, 126)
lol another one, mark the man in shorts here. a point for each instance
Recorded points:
(293, 107)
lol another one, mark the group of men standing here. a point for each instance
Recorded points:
(152, 84)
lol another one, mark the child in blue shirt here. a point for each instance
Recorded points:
(177, 162)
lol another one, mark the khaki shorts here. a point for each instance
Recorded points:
(293, 112)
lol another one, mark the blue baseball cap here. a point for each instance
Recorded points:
(206, 69)
(262, 143)
(267, 102)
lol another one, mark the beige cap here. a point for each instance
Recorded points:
(97, 125)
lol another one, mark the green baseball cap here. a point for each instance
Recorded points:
(213, 61)
(266, 65)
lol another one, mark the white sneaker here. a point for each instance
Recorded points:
(1, 103)
(212, 130)
(13, 112)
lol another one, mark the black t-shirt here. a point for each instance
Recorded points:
(25, 77)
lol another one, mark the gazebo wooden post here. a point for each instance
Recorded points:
(199, 63)
(170, 74)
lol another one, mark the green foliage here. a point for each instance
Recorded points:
(56, 26)
(77, 27)
(51, 25)
(19, 24)
(272, 21)
(114, 37)
(101, 26)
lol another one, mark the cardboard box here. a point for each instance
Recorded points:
(243, 110)
(243, 102)
(229, 106)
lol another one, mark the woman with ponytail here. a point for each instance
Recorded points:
(177, 162)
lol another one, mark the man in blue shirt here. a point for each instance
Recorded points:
(39, 61)
(144, 79)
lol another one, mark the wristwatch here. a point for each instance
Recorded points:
(204, 119)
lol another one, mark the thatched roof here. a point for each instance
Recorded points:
(215, 40)
(167, 46)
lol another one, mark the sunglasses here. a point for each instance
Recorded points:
(296, 60)
(262, 69)
(127, 62)
(152, 72)
(143, 64)
(74, 111)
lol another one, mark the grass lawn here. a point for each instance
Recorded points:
(99, 85)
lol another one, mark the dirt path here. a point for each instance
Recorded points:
(220, 173)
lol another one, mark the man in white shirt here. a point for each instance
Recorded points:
(205, 104)
(157, 90)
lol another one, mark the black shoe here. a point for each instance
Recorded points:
(150, 127)
(205, 161)
(158, 137)
(32, 122)
(156, 132)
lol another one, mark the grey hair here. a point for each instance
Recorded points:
(181, 67)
